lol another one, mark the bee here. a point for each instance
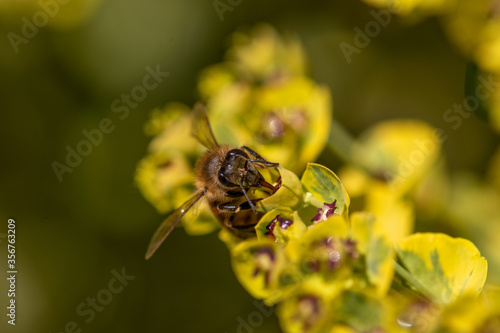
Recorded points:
(224, 176)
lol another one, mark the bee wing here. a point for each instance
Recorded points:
(170, 222)
(201, 129)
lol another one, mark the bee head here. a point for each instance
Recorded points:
(238, 170)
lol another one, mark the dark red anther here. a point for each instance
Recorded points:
(325, 212)
(282, 222)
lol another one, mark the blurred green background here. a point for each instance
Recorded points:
(72, 234)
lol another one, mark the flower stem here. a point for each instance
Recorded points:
(340, 141)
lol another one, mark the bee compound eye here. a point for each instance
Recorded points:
(223, 180)
(236, 152)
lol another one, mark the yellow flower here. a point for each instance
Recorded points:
(165, 180)
(258, 265)
(401, 152)
(264, 56)
(488, 50)
(296, 115)
(171, 127)
(280, 225)
(397, 157)
(213, 79)
(261, 97)
(473, 25)
(414, 7)
(307, 309)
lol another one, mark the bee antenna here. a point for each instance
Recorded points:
(246, 196)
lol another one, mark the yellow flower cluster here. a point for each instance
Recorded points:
(329, 271)
(260, 97)
(326, 269)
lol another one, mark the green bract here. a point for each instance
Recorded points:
(289, 195)
(325, 187)
(374, 244)
(444, 268)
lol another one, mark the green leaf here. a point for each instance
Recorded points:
(289, 195)
(444, 268)
(324, 185)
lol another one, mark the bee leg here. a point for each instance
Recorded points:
(249, 204)
(246, 196)
(259, 159)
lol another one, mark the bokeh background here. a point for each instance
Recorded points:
(72, 234)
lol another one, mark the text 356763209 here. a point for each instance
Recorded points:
(11, 271)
